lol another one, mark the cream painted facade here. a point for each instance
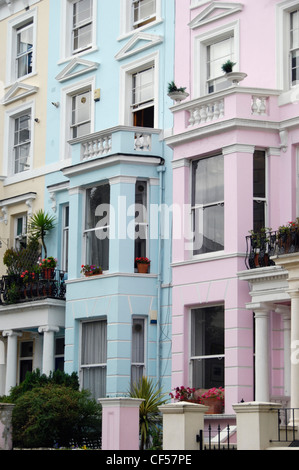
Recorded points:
(21, 92)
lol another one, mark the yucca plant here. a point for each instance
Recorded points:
(39, 225)
(149, 416)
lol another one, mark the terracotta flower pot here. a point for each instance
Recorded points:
(48, 273)
(142, 267)
(215, 405)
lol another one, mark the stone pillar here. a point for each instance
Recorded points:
(294, 294)
(262, 390)
(257, 425)
(286, 316)
(182, 422)
(6, 426)
(12, 356)
(48, 347)
(120, 423)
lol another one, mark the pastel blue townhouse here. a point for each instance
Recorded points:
(109, 176)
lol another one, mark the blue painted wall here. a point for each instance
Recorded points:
(121, 293)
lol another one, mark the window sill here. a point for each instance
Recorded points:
(70, 57)
(219, 255)
(289, 97)
(107, 275)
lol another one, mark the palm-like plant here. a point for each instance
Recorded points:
(39, 225)
(149, 415)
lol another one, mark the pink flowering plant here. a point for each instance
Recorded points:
(90, 269)
(49, 262)
(142, 260)
(214, 393)
(183, 394)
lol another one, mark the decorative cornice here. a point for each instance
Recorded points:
(19, 91)
(145, 40)
(214, 12)
(76, 68)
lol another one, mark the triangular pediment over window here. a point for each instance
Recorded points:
(75, 68)
(139, 42)
(18, 91)
(214, 12)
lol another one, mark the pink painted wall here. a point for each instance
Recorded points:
(198, 282)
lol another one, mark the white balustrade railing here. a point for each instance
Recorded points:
(259, 105)
(97, 147)
(206, 112)
(142, 142)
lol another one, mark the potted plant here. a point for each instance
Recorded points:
(259, 244)
(214, 399)
(91, 270)
(234, 77)
(175, 93)
(288, 237)
(39, 225)
(184, 394)
(142, 264)
(48, 266)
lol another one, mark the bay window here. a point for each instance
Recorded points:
(138, 350)
(208, 204)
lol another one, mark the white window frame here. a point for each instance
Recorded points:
(126, 74)
(144, 223)
(139, 364)
(17, 236)
(8, 161)
(290, 93)
(66, 115)
(193, 358)
(66, 49)
(64, 237)
(13, 25)
(25, 358)
(94, 229)
(196, 207)
(265, 199)
(126, 18)
(200, 53)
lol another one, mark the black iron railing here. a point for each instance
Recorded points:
(260, 247)
(16, 288)
(215, 439)
(286, 427)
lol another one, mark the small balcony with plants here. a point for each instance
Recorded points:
(28, 276)
(266, 244)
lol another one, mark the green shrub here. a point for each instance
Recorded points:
(55, 415)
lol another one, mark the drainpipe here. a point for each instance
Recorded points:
(160, 169)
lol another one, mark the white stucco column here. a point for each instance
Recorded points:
(48, 347)
(262, 390)
(11, 361)
(286, 317)
(294, 294)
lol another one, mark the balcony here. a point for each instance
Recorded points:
(267, 244)
(234, 107)
(18, 289)
(124, 140)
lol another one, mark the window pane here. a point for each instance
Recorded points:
(24, 50)
(94, 343)
(94, 380)
(82, 24)
(259, 174)
(81, 113)
(208, 229)
(143, 86)
(143, 9)
(138, 341)
(218, 54)
(208, 180)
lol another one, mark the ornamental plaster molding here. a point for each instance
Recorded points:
(214, 12)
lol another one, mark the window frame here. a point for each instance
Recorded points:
(258, 199)
(141, 365)
(94, 229)
(126, 18)
(289, 92)
(144, 223)
(13, 25)
(95, 365)
(64, 237)
(203, 357)
(196, 207)
(66, 49)
(66, 115)
(9, 160)
(126, 83)
(201, 42)
(16, 239)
